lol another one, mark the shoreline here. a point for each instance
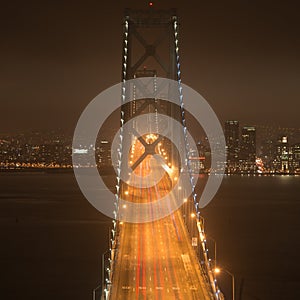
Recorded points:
(108, 171)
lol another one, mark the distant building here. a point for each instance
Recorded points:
(248, 149)
(287, 158)
(198, 162)
(232, 145)
(295, 163)
(282, 156)
(104, 154)
(267, 152)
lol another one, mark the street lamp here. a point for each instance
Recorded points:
(95, 291)
(215, 250)
(218, 270)
(184, 209)
(193, 216)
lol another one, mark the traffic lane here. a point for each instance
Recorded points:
(155, 273)
(161, 267)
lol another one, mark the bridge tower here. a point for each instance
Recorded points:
(137, 49)
(150, 49)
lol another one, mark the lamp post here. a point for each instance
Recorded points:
(215, 249)
(218, 270)
(193, 216)
(184, 209)
(95, 290)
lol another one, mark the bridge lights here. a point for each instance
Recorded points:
(218, 270)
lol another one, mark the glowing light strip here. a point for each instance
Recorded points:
(108, 279)
(182, 108)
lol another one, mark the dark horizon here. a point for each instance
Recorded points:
(242, 57)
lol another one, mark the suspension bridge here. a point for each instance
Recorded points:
(158, 250)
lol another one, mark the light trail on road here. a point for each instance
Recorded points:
(155, 260)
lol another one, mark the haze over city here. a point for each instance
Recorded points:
(242, 56)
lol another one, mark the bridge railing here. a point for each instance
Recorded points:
(195, 226)
(103, 290)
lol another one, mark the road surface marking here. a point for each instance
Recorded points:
(124, 287)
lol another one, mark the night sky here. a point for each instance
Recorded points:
(56, 56)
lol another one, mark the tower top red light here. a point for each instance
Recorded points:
(150, 3)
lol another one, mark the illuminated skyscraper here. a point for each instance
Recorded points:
(104, 154)
(287, 158)
(248, 149)
(282, 161)
(295, 153)
(232, 145)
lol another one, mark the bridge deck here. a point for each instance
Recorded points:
(155, 260)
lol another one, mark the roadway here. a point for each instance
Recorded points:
(155, 260)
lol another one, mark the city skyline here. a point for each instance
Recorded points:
(249, 149)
